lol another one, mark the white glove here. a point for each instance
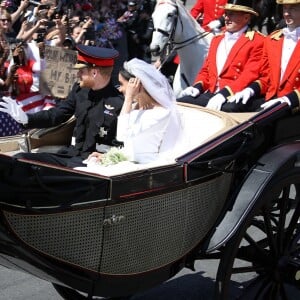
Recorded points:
(214, 24)
(190, 91)
(274, 101)
(216, 102)
(243, 95)
(11, 107)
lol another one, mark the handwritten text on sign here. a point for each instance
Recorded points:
(59, 76)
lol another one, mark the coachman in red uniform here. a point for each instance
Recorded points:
(233, 61)
(210, 12)
(280, 69)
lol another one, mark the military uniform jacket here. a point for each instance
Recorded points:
(211, 10)
(270, 83)
(96, 117)
(241, 67)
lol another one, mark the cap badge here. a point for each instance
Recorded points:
(107, 106)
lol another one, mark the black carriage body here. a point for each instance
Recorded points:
(115, 236)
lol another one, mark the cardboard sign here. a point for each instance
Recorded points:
(59, 76)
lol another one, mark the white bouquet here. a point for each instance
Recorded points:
(113, 156)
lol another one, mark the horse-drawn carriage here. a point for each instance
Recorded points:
(233, 195)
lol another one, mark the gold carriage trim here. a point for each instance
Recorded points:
(241, 8)
(287, 1)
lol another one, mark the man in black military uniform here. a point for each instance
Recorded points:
(94, 102)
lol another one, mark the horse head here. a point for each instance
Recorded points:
(164, 20)
(176, 30)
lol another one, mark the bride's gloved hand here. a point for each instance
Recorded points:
(11, 107)
(189, 91)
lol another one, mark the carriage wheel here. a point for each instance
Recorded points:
(262, 260)
(70, 294)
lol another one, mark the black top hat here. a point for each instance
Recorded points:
(90, 56)
(241, 5)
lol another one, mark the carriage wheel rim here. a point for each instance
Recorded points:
(278, 264)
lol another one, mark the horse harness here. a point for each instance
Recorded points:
(172, 46)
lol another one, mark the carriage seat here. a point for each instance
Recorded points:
(199, 125)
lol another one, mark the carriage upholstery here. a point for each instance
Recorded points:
(200, 125)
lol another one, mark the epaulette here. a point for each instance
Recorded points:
(275, 35)
(250, 34)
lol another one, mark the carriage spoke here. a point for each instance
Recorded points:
(248, 269)
(262, 288)
(257, 250)
(283, 209)
(266, 260)
(294, 225)
(269, 233)
(256, 289)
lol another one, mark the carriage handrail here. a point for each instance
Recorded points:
(226, 159)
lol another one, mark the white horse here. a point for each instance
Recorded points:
(174, 25)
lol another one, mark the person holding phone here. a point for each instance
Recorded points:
(93, 100)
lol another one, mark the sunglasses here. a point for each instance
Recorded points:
(5, 20)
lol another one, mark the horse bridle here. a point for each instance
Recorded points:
(170, 44)
(170, 34)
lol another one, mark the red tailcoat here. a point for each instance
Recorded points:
(242, 65)
(211, 10)
(269, 82)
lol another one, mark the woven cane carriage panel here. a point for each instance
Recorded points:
(156, 231)
(138, 236)
(75, 237)
(209, 203)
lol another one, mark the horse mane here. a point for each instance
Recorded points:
(190, 18)
(184, 12)
(184, 35)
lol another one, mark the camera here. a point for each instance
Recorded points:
(40, 35)
(16, 60)
(50, 24)
(44, 6)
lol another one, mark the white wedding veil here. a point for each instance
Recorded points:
(154, 82)
(157, 85)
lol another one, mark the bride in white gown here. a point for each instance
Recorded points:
(149, 123)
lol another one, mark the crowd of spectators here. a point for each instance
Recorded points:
(26, 26)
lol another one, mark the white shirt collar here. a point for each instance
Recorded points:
(235, 35)
(291, 34)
